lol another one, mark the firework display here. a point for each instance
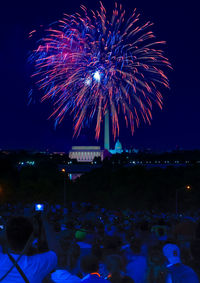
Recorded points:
(89, 64)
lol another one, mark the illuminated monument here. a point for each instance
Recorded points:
(85, 153)
(118, 148)
(106, 132)
(118, 145)
(88, 153)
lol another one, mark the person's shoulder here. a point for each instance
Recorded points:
(48, 254)
(60, 275)
(100, 280)
(89, 279)
(186, 272)
(190, 269)
(187, 268)
(103, 280)
(44, 258)
(189, 275)
(138, 258)
(84, 245)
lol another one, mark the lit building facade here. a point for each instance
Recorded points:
(85, 153)
(118, 148)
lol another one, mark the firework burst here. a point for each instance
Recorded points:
(89, 64)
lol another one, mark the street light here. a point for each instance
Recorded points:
(187, 188)
(64, 187)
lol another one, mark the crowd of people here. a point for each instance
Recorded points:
(88, 243)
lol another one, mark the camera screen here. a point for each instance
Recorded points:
(39, 207)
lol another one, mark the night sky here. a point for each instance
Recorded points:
(24, 126)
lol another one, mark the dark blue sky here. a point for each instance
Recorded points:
(23, 126)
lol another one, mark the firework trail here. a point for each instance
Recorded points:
(89, 64)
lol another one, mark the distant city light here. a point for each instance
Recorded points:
(27, 163)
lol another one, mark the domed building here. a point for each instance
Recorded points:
(118, 148)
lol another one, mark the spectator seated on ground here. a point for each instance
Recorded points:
(116, 268)
(156, 272)
(137, 263)
(112, 245)
(85, 247)
(177, 272)
(20, 235)
(67, 260)
(90, 270)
